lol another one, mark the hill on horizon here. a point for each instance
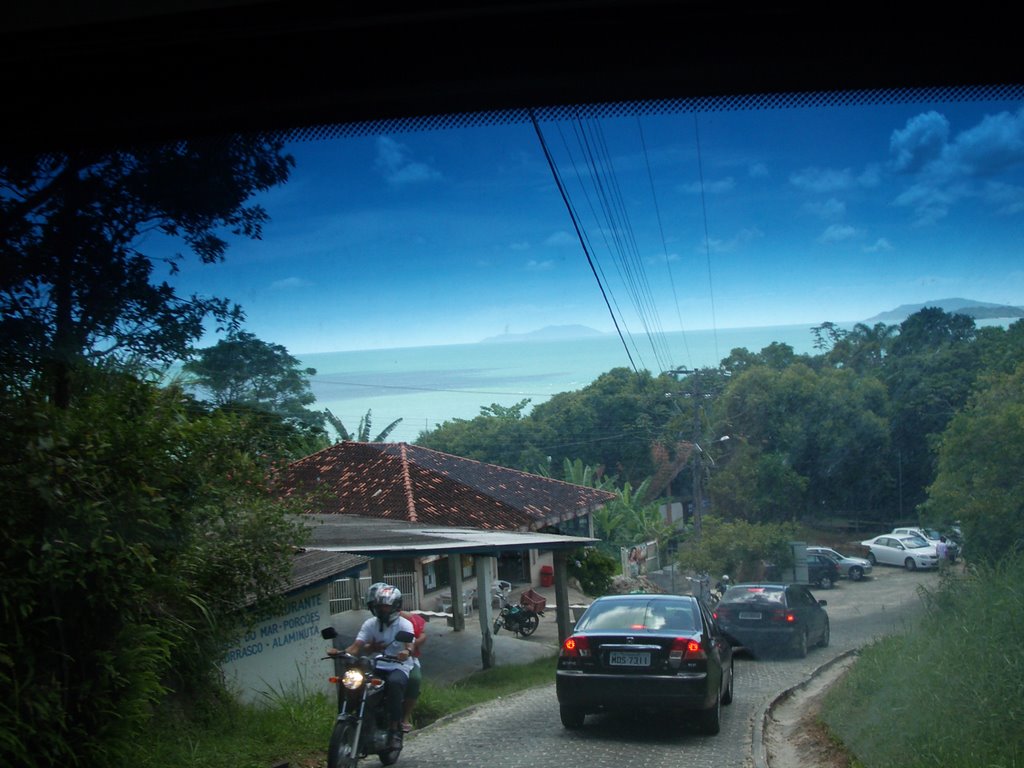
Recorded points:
(979, 310)
(547, 333)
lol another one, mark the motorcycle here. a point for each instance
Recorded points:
(518, 619)
(361, 728)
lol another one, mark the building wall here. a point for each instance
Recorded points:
(283, 653)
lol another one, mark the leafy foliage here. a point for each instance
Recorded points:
(243, 370)
(75, 282)
(979, 480)
(739, 548)
(593, 569)
(362, 434)
(134, 530)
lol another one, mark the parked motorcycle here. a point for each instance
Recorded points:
(361, 728)
(518, 619)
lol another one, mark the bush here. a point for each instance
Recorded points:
(593, 569)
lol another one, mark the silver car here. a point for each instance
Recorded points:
(853, 568)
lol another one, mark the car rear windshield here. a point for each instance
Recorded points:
(754, 595)
(640, 614)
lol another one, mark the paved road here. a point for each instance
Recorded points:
(524, 729)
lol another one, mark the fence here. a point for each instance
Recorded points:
(350, 594)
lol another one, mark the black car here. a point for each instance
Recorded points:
(822, 571)
(645, 652)
(773, 617)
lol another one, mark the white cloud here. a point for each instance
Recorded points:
(837, 233)
(822, 180)
(393, 160)
(533, 265)
(741, 238)
(947, 170)
(919, 142)
(829, 209)
(726, 184)
(561, 238)
(880, 245)
(290, 283)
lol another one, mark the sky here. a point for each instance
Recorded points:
(719, 219)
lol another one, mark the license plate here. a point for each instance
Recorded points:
(626, 659)
(750, 615)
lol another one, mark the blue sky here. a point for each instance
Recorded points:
(727, 219)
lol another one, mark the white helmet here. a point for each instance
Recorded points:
(371, 596)
(391, 596)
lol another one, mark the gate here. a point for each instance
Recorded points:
(350, 594)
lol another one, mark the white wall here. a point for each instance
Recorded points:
(283, 653)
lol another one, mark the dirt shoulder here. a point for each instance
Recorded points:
(793, 734)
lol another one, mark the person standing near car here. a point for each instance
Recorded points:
(942, 550)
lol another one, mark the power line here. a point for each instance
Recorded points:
(565, 199)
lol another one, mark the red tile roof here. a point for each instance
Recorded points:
(400, 481)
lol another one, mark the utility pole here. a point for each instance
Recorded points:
(696, 462)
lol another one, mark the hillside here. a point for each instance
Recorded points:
(979, 310)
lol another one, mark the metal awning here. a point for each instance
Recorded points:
(373, 536)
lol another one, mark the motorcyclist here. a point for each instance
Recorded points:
(377, 634)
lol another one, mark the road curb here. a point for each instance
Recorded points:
(758, 747)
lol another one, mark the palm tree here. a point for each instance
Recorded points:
(362, 434)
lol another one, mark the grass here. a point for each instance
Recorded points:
(949, 692)
(294, 727)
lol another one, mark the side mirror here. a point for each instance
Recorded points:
(823, 603)
(404, 637)
(328, 633)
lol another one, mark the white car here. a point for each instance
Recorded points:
(853, 568)
(932, 536)
(910, 552)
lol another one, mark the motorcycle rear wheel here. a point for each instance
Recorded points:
(343, 751)
(528, 625)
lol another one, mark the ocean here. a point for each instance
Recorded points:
(425, 386)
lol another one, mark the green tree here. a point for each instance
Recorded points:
(929, 375)
(243, 370)
(757, 486)
(979, 480)
(76, 283)
(135, 527)
(499, 435)
(738, 548)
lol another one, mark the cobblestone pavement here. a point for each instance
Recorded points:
(524, 729)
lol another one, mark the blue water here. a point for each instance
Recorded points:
(425, 386)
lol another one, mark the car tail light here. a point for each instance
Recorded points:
(575, 647)
(686, 648)
(780, 614)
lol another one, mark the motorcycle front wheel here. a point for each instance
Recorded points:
(529, 624)
(343, 751)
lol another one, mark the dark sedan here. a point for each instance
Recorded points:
(645, 652)
(773, 617)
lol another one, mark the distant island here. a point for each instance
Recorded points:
(979, 310)
(548, 333)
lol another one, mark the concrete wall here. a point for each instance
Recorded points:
(282, 653)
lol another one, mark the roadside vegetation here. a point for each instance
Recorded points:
(295, 727)
(948, 692)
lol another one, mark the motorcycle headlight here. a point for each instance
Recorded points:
(352, 679)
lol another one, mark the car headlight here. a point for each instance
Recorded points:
(352, 679)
